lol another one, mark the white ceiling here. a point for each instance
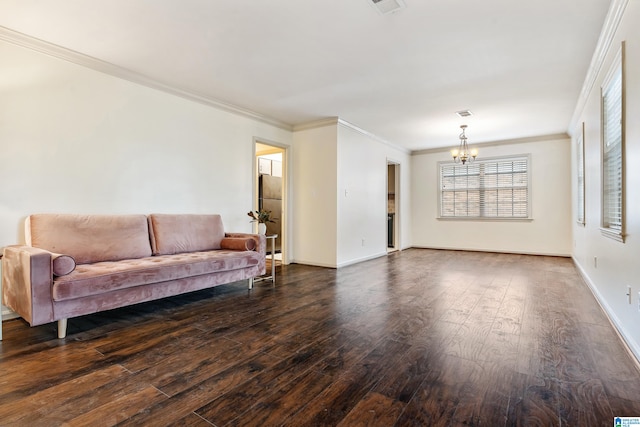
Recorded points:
(519, 66)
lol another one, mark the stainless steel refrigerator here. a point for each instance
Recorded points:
(270, 198)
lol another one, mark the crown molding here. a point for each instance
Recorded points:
(99, 65)
(315, 124)
(337, 121)
(372, 136)
(609, 29)
(528, 139)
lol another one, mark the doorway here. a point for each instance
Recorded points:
(393, 186)
(270, 193)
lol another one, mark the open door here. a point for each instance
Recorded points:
(392, 205)
(270, 178)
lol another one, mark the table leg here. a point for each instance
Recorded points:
(273, 261)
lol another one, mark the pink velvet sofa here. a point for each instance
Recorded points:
(74, 265)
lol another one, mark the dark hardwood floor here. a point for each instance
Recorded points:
(418, 338)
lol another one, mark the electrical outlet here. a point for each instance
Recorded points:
(629, 293)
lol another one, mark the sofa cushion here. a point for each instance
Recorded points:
(179, 233)
(90, 238)
(102, 277)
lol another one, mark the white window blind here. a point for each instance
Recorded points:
(491, 188)
(612, 149)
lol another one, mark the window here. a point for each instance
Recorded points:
(490, 188)
(580, 176)
(612, 151)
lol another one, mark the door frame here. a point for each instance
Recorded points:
(284, 221)
(397, 198)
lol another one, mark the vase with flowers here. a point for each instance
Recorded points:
(262, 217)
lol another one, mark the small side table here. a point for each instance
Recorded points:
(273, 238)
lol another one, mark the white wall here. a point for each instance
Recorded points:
(77, 140)
(331, 160)
(362, 195)
(314, 183)
(618, 264)
(549, 232)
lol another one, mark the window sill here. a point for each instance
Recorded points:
(612, 234)
(482, 219)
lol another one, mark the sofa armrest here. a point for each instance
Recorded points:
(27, 279)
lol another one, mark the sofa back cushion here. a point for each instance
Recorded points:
(90, 238)
(177, 233)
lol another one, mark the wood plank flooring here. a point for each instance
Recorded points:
(417, 338)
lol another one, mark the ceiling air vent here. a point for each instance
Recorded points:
(464, 113)
(388, 6)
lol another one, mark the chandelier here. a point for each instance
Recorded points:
(463, 154)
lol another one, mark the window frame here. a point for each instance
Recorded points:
(529, 217)
(580, 178)
(616, 70)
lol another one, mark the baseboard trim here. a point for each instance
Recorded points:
(312, 263)
(8, 314)
(342, 264)
(359, 260)
(555, 254)
(632, 348)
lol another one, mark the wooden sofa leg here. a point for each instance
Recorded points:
(250, 282)
(62, 328)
